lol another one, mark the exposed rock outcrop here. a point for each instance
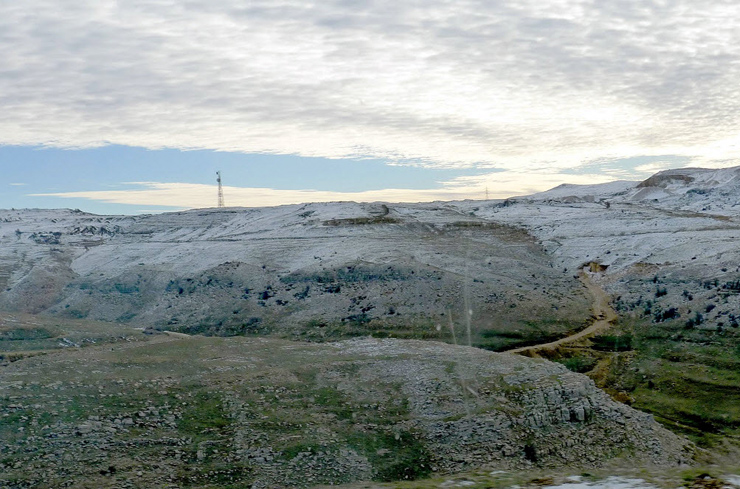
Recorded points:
(274, 413)
(312, 271)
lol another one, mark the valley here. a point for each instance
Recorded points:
(337, 343)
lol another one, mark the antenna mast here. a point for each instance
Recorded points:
(220, 190)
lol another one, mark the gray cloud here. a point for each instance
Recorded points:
(507, 83)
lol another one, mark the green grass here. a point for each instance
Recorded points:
(396, 455)
(27, 333)
(295, 397)
(412, 328)
(205, 414)
(612, 343)
(580, 363)
(333, 402)
(687, 378)
(21, 334)
(524, 333)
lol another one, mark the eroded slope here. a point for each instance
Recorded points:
(233, 411)
(314, 271)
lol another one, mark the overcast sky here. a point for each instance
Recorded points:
(356, 100)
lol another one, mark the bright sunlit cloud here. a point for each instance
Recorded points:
(536, 86)
(184, 195)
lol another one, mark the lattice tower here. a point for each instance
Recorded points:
(220, 190)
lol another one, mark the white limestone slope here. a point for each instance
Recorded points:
(404, 264)
(714, 191)
(687, 217)
(685, 220)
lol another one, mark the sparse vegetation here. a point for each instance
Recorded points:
(612, 343)
(527, 333)
(578, 363)
(686, 378)
(360, 221)
(226, 412)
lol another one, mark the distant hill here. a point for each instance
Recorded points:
(690, 189)
(311, 271)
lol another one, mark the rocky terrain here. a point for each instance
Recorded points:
(102, 382)
(667, 252)
(189, 412)
(311, 272)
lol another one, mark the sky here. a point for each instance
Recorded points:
(132, 106)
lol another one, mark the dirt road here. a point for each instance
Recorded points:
(603, 315)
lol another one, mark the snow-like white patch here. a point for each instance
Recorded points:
(609, 483)
(603, 190)
(694, 215)
(650, 193)
(732, 479)
(695, 222)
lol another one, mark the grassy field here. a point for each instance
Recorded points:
(688, 378)
(175, 411)
(194, 412)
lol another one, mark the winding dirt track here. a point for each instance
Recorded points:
(603, 315)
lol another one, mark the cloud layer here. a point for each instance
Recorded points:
(525, 84)
(188, 195)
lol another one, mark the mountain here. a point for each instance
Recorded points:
(687, 189)
(497, 275)
(309, 271)
(666, 251)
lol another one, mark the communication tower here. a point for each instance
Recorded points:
(220, 190)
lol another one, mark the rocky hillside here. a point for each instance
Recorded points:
(314, 271)
(670, 240)
(321, 271)
(667, 252)
(114, 407)
(176, 412)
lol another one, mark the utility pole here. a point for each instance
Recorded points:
(220, 190)
(486, 193)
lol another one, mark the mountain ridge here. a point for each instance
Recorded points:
(493, 274)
